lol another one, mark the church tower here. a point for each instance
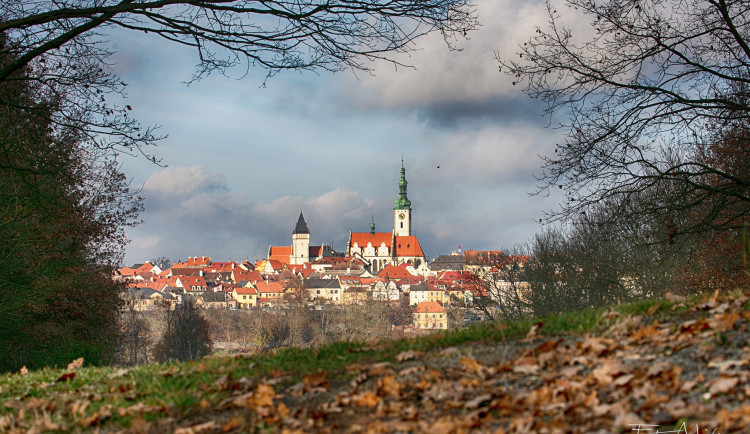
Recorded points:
(300, 242)
(402, 210)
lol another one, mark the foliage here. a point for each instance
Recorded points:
(640, 95)
(63, 210)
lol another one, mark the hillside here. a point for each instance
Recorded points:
(681, 364)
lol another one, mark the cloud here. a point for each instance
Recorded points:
(453, 87)
(190, 212)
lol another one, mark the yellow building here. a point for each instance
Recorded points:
(246, 297)
(430, 315)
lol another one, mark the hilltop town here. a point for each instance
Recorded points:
(375, 267)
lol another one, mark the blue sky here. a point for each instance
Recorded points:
(243, 160)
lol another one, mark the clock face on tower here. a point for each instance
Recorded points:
(401, 216)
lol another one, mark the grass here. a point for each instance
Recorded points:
(179, 388)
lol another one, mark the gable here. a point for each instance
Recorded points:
(408, 246)
(378, 238)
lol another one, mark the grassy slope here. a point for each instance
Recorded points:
(311, 389)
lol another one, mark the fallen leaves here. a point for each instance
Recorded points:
(686, 365)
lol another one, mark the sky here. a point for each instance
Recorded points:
(242, 159)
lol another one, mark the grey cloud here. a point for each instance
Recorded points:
(501, 110)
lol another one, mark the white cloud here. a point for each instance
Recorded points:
(182, 182)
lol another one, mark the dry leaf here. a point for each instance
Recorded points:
(101, 415)
(197, 429)
(478, 401)
(67, 376)
(24, 370)
(119, 373)
(366, 399)
(317, 379)
(724, 365)
(262, 396)
(75, 364)
(723, 385)
(388, 386)
(532, 331)
(408, 355)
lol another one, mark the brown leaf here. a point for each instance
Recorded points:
(478, 401)
(389, 386)
(532, 331)
(365, 399)
(75, 364)
(140, 426)
(724, 365)
(525, 369)
(119, 373)
(262, 396)
(24, 370)
(67, 376)
(609, 370)
(595, 345)
(317, 379)
(197, 429)
(723, 385)
(408, 355)
(547, 346)
(101, 415)
(232, 425)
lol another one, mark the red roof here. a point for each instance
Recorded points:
(408, 246)
(198, 261)
(429, 307)
(280, 253)
(371, 280)
(268, 287)
(394, 272)
(189, 281)
(221, 266)
(411, 280)
(449, 275)
(306, 272)
(378, 238)
(246, 291)
(251, 276)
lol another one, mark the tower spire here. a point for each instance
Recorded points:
(402, 202)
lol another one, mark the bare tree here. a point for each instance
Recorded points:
(640, 100)
(135, 339)
(499, 290)
(187, 333)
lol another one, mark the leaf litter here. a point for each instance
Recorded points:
(660, 370)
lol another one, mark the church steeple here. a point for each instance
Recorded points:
(402, 202)
(402, 210)
(372, 226)
(301, 227)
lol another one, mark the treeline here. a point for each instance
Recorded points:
(187, 333)
(599, 260)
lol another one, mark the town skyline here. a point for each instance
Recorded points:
(243, 157)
